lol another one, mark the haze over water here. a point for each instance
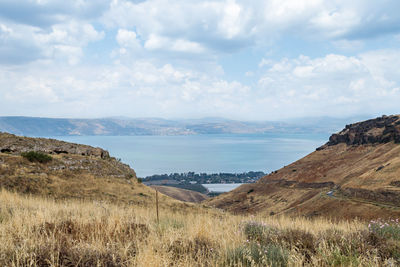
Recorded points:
(212, 153)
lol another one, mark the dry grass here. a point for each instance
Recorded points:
(75, 176)
(44, 232)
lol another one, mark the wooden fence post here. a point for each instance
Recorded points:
(158, 219)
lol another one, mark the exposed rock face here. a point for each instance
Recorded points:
(16, 145)
(380, 130)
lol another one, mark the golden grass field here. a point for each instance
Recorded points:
(35, 231)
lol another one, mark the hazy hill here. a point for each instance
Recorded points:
(181, 194)
(31, 126)
(355, 174)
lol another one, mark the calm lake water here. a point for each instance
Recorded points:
(216, 153)
(221, 188)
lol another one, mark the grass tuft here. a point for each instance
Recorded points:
(254, 253)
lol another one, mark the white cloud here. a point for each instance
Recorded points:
(32, 88)
(334, 84)
(232, 21)
(214, 24)
(4, 30)
(181, 45)
(128, 39)
(140, 88)
(72, 33)
(22, 44)
(65, 41)
(170, 55)
(156, 42)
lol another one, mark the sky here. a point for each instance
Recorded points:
(247, 60)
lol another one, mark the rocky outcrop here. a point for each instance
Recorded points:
(15, 145)
(380, 130)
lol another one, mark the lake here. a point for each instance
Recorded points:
(209, 153)
(221, 188)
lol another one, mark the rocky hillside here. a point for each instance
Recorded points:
(355, 174)
(69, 171)
(16, 145)
(376, 131)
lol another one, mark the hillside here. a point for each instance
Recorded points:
(181, 194)
(355, 174)
(73, 171)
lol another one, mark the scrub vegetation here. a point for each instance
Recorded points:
(33, 156)
(39, 231)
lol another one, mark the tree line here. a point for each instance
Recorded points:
(204, 178)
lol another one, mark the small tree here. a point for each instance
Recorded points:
(33, 156)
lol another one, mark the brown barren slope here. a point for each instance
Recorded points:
(181, 194)
(356, 174)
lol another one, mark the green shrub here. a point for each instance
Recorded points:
(253, 253)
(290, 239)
(387, 229)
(255, 231)
(338, 258)
(33, 156)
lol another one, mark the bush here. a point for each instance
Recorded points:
(198, 248)
(255, 231)
(33, 156)
(339, 258)
(255, 254)
(388, 229)
(291, 239)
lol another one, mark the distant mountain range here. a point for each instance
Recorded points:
(34, 126)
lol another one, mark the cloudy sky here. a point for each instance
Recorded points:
(253, 60)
